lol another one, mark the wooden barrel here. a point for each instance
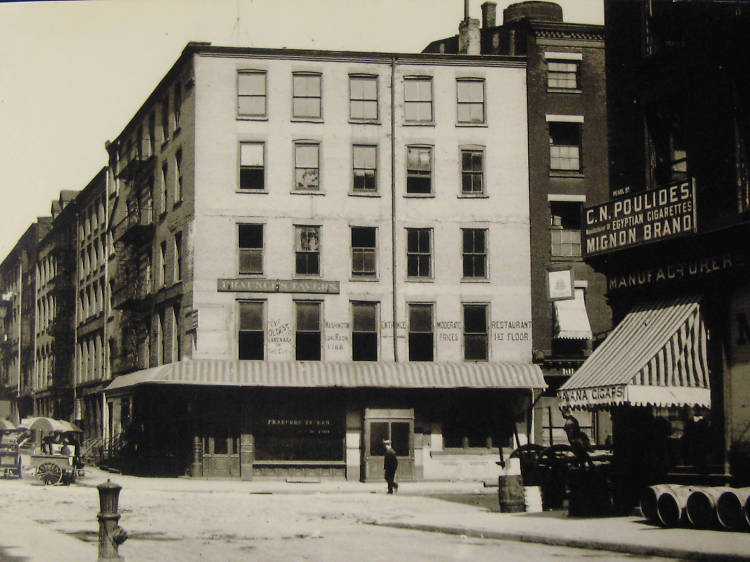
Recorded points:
(730, 509)
(510, 494)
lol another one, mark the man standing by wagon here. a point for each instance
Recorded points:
(390, 464)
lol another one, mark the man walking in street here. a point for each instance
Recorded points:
(390, 464)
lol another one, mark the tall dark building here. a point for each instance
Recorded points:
(567, 136)
(672, 240)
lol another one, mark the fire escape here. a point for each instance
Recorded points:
(132, 284)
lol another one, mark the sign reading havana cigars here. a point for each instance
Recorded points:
(278, 286)
(639, 218)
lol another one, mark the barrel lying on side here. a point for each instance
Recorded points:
(730, 509)
(649, 498)
(671, 505)
(701, 506)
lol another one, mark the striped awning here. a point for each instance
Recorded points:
(571, 318)
(655, 357)
(330, 374)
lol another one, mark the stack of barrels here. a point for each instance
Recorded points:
(701, 507)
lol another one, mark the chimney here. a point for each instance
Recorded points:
(469, 38)
(489, 15)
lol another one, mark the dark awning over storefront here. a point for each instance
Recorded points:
(655, 357)
(323, 374)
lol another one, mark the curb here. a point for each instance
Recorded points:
(592, 544)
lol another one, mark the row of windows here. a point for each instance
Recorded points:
(308, 331)
(90, 358)
(91, 300)
(44, 368)
(92, 220)
(364, 176)
(45, 312)
(92, 257)
(307, 98)
(419, 251)
(46, 270)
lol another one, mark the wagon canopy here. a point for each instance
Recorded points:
(49, 424)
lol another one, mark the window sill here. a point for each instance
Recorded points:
(418, 124)
(301, 192)
(307, 276)
(564, 174)
(564, 91)
(464, 451)
(475, 280)
(419, 195)
(420, 280)
(479, 125)
(364, 194)
(248, 275)
(472, 196)
(260, 191)
(252, 118)
(364, 121)
(306, 119)
(363, 279)
(554, 258)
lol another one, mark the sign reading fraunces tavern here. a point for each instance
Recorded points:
(640, 218)
(278, 286)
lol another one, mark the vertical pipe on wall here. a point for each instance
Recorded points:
(394, 278)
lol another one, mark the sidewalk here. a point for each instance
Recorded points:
(33, 540)
(24, 539)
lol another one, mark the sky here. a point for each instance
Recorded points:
(73, 73)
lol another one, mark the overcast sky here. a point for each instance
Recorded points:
(72, 74)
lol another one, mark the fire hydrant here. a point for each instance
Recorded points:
(111, 535)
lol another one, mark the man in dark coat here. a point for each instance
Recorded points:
(390, 464)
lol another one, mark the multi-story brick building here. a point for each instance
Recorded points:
(18, 288)
(672, 240)
(54, 297)
(568, 168)
(317, 250)
(91, 367)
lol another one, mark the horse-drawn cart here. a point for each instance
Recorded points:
(57, 459)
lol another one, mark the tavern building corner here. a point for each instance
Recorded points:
(315, 251)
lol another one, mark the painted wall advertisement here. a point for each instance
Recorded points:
(640, 218)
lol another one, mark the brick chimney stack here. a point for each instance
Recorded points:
(469, 39)
(489, 15)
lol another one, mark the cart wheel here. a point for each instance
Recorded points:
(49, 473)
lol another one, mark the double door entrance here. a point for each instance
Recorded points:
(396, 425)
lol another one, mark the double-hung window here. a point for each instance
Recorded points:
(562, 75)
(251, 337)
(306, 166)
(306, 95)
(419, 252)
(565, 229)
(165, 118)
(476, 333)
(565, 143)
(308, 333)
(177, 104)
(418, 169)
(364, 331)
(177, 274)
(178, 176)
(470, 100)
(364, 168)
(364, 252)
(251, 248)
(363, 98)
(421, 332)
(252, 168)
(474, 253)
(251, 93)
(418, 99)
(307, 254)
(472, 171)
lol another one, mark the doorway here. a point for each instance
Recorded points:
(397, 425)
